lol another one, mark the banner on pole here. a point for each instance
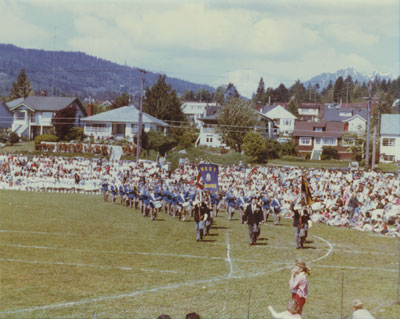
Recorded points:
(209, 174)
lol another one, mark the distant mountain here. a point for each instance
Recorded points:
(77, 74)
(324, 78)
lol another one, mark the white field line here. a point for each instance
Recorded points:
(140, 292)
(357, 268)
(228, 255)
(58, 263)
(328, 252)
(62, 264)
(126, 252)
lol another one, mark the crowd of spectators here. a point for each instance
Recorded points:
(362, 200)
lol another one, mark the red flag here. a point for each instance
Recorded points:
(199, 183)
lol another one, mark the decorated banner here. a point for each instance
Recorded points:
(209, 174)
(305, 192)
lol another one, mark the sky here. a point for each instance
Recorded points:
(218, 41)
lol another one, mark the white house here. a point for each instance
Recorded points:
(355, 119)
(390, 138)
(209, 136)
(33, 115)
(196, 110)
(282, 118)
(122, 122)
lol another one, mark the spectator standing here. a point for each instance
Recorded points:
(299, 284)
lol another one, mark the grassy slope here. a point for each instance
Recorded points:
(86, 234)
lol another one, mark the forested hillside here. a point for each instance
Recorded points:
(76, 73)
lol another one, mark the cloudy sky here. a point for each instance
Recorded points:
(216, 42)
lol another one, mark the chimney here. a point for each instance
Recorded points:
(89, 110)
(43, 93)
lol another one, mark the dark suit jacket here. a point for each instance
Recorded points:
(253, 217)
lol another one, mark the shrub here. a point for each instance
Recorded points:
(14, 138)
(224, 150)
(254, 146)
(307, 156)
(329, 152)
(75, 133)
(45, 138)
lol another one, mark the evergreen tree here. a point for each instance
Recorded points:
(281, 93)
(231, 92)
(338, 90)
(162, 102)
(21, 88)
(63, 121)
(298, 91)
(260, 93)
(188, 96)
(219, 94)
(292, 107)
(122, 100)
(203, 95)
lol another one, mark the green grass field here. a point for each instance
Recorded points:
(71, 255)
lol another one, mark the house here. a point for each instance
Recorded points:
(6, 117)
(271, 128)
(282, 118)
(122, 122)
(196, 110)
(209, 135)
(310, 112)
(355, 119)
(310, 137)
(33, 115)
(390, 138)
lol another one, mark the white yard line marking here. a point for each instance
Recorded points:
(156, 289)
(228, 255)
(58, 263)
(113, 297)
(62, 264)
(126, 252)
(329, 250)
(357, 268)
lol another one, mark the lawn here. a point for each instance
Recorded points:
(73, 256)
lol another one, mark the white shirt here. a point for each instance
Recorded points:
(362, 314)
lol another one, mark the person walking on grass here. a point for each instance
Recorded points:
(298, 283)
(253, 217)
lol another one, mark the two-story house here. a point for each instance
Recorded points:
(390, 138)
(6, 117)
(196, 110)
(282, 118)
(310, 137)
(33, 115)
(310, 112)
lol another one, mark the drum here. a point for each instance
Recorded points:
(157, 204)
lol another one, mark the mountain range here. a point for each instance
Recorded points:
(323, 79)
(78, 74)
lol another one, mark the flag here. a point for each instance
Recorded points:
(209, 174)
(305, 192)
(199, 183)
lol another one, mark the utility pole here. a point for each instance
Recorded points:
(374, 149)
(139, 132)
(368, 126)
